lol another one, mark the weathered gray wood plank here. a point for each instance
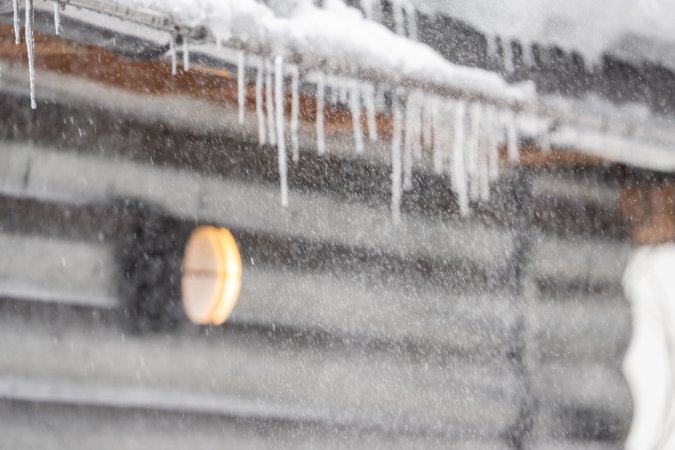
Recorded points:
(84, 273)
(386, 389)
(60, 426)
(48, 174)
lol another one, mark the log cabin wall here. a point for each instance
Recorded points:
(506, 329)
(503, 330)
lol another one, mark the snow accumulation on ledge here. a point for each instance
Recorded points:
(332, 38)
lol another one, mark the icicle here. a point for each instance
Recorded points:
(545, 142)
(241, 85)
(587, 64)
(493, 144)
(483, 159)
(408, 142)
(342, 90)
(458, 175)
(320, 138)
(269, 102)
(355, 102)
(542, 58)
(259, 102)
(512, 147)
(508, 56)
(526, 55)
(219, 42)
(411, 144)
(428, 106)
(368, 91)
(446, 139)
(172, 52)
(491, 44)
(186, 54)
(396, 190)
(473, 147)
(281, 128)
(333, 97)
(30, 45)
(378, 15)
(411, 16)
(17, 38)
(57, 17)
(437, 139)
(417, 126)
(367, 6)
(380, 101)
(399, 19)
(333, 94)
(295, 111)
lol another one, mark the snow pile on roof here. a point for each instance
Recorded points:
(591, 27)
(334, 38)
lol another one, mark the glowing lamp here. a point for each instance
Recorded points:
(212, 274)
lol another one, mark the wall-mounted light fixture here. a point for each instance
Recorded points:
(212, 275)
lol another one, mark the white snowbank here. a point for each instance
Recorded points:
(334, 38)
(650, 361)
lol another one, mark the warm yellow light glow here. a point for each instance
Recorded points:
(212, 274)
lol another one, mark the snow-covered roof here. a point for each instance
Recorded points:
(590, 27)
(333, 38)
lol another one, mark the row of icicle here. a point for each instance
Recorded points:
(463, 138)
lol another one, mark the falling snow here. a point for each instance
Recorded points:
(420, 113)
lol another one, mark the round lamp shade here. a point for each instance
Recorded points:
(212, 273)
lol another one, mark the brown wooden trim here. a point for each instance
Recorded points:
(649, 209)
(533, 156)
